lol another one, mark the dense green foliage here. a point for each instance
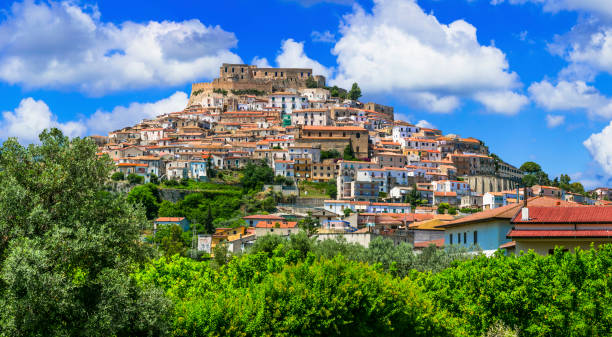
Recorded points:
(303, 287)
(330, 154)
(253, 92)
(255, 175)
(349, 153)
(67, 246)
(557, 295)
(134, 178)
(117, 176)
(355, 92)
(147, 196)
(283, 295)
(534, 175)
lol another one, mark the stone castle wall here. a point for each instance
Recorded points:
(482, 184)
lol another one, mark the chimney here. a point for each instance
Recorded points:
(524, 196)
(525, 214)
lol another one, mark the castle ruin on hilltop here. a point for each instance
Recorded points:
(245, 78)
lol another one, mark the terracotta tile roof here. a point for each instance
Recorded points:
(560, 234)
(508, 245)
(506, 212)
(576, 214)
(425, 244)
(276, 224)
(445, 194)
(170, 219)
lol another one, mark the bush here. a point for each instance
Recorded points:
(118, 176)
(563, 294)
(134, 178)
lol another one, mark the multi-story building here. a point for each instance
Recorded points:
(336, 138)
(287, 102)
(403, 130)
(324, 171)
(311, 117)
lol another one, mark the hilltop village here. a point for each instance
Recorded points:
(389, 177)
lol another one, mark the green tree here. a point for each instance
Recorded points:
(68, 246)
(154, 179)
(414, 198)
(309, 225)
(355, 92)
(134, 178)
(347, 212)
(146, 195)
(349, 153)
(208, 222)
(255, 175)
(172, 240)
(530, 167)
(334, 91)
(331, 189)
(333, 153)
(118, 176)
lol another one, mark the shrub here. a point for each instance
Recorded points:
(118, 176)
(134, 178)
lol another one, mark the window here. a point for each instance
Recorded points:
(358, 135)
(475, 237)
(464, 237)
(451, 238)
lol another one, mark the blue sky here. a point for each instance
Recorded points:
(531, 78)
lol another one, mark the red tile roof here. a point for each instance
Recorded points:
(560, 234)
(425, 244)
(506, 212)
(170, 219)
(576, 214)
(276, 224)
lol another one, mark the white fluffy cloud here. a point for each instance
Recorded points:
(425, 124)
(325, 36)
(399, 49)
(292, 55)
(601, 7)
(61, 45)
(600, 147)
(552, 121)
(102, 122)
(568, 96)
(504, 102)
(32, 116)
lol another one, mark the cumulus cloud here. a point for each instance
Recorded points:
(30, 118)
(401, 50)
(600, 147)
(292, 55)
(102, 122)
(568, 96)
(552, 121)
(504, 102)
(261, 62)
(600, 7)
(425, 124)
(61, 45)
(33, 116)
(325, 36)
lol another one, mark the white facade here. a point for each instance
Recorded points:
(404, 131)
